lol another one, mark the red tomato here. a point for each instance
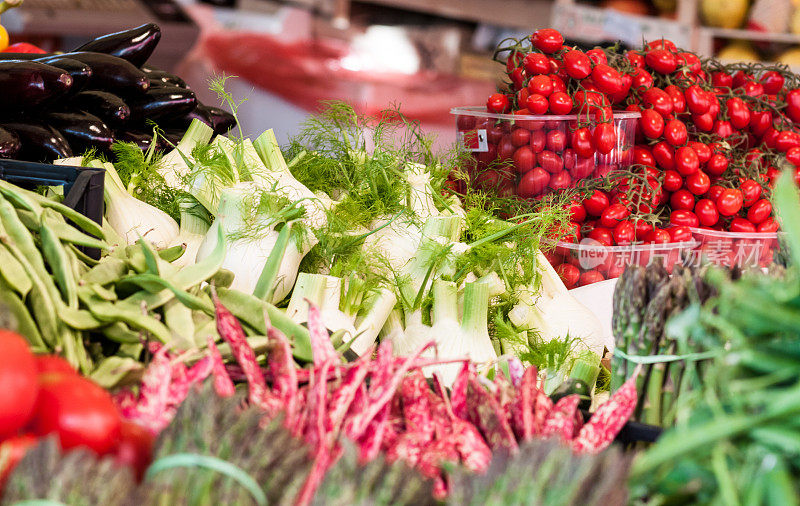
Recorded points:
(698, 101)
(787, 140)
(793, 105)
(464, 123)
(81, 413)
(664, 155)
(751, 191)
(680, 234)
(520, 137)
(11, 452)
(556, 141)
(533, 183)
(537, 104)
(602, 235)
(698, 183)
(772, 82)
(706, 212)
(722, 128)
(672, 181)
(793, 156)
(703, 151)
(24, 47)
(605, 138)
(721, 79)
(596, 203)
(583, 168)
(741, 225)
(589, 277)
(683, 218)
(582, 142)
(506, 149)
(703, 122)
(490, 180)
(577, 212)
(643, 156)
(714, 192)
(682, 199)
(675, 132)
(558, 83)
(738, 113)
(536, 63)
(18, 383)
(560, 103)
(577, 64)
(560, 180)
(547, 40)
(753, 89)
(690, 60)
(729, 202)
(607, 79)
(538, 141)
(569, 274)
(613, 214)
(717, 164)
(135, 448)
(524, 159)
(652, 124)
(642, 229)
(498, 104)
(661, 61)
(597, 56)
(517, 78)
(661, 44)
(686, 161)
(550, 162)
(636, 58)
(678, 99)
(53, 363)
(768, 226)
(624, 233)
(659, 100)
(658, 236)
(641, 80)
(541, 84)
(759, 211)
(760, 122)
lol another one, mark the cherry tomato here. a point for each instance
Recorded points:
(613, 214)
(738, 113)
(643, 156)
(498, 104)
(787, 140)
(717, 164)
(537, 104)
(558, 83)
(597, 56)
(658, 236)
(768, 226)
(577, 212)
(135, 448)
(547, 40)
(584, 167)
(741, 225)
(661, 44)
(753, 89)
(560, 180)
(686, 161)
(680, 234)
(682, 217)
(678, 99)
(659, 100)
(11, 452)
(772, 82)
(661, 61)
(721, 79)
(624, 233)
(706, 212)
(569, 275)
(641, 80)
(589, 277)
(729, 202)
(664, 155)
(690, 60)
(596, 203)
(722, 128)
(636, 58)
(698, 183)
(652, 124)
(24, 47)
(760, 122)
(698, 100)
(703, 122)
(535, 64)
(793, 156)
(577, 64)
(524, 159)
(793, 105)
(759, 211)
(517, 78)
(533, 183)
(751, 191)
(606, 78)
(605, 138)
(538, 141)
(560, 103)
(53, 363)
(550, 161)
(602, 235)
(672, 181)
(582, 142)
(714, 192)
(18, 383)
(675, 132)
(556, 141)
(643, 228)
(506, 149)
(703, 151)
(541, 84)
(682, 199)
(81, 413)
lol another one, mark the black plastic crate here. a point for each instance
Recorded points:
(83, 186)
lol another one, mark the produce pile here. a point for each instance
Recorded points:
(57, 105)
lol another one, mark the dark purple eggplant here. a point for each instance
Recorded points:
(165, 77)
(183, 122)
(134, 45)
(108, 107)
(141, 139)
(24, 56)
(222, 119)
(80, 72)
(113, 74)
(163, 104)
(26, 84)
(82, 130)
(10, 145)
(40, 143)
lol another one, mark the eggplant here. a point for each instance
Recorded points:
(134, 45)
(163, 104)
(10, 145)
(164, 77)
(83, 130)
(108, 107)
(141, 139)
(113, 74)
(222, 119)
(24, 56)
(27, 84)
(199, 113)
(40, 143)
(80, 72)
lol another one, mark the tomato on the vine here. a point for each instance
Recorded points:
(560, 180)
(536, 63)
(717, 164)
(738, 112)
(583, 142)
(524, 159)
(682, 217)
(606, 78)
(547, 40)
(698, 100)
(624, 233)
(768, 226)
(556, 141)
(751, 191)
(18, 383)
(675, 132)
(721, 79)
(741, 225)
(604, 137)
(661, 60)
(772, 82)
(760, 121)
(793, 105)
(703, 122)
(577, 64)
(706, 212)
(541, 84)
(596, 203)
(672, 181)
(569, 275)
(698, 183)
(597, 56)
(643, 156)
(753, 89)
(759, 211)
(652, 124)
(682, 199)
(642, 229)
(729, 201)
(538, 141)
(636, 58)
(659, 100)
(560, 103)
(681, 233)
(533, 183)
(678, 99)
(658, 236)
(602, 235)
(722, 128)
(537, 104)
(613, 214)
(664, 155)
(589, 277)
(686, 161)
(498, 103)
(787, 140)
(577, 212)
(661, 44)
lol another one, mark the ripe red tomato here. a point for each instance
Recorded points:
(535, 64)
(753, 89)
(641, 80)
(547, 40)
(584, 167)
(589, 277)
(81, 413)
(498, 104)
(18, 383)
(759, 211)
(560, 103)
(658, 236)
(556, 141)
(602, 235)
(738, 113)
(729, 202)
(636, 58)
(550, 161)
(11, 452)
(541, 84)
(135, 448)
(722, 128)
(703, 151)
(760, 121)
(537, 104)
(698, 101)
(793, 105)
(53, 363)
(686, 161)
(682, 199)
(787, 140)
(675, 132)
(793, 156)
(652, 124)
(569, 275)
(517, 78)
(772, 82)
(607, 79)
(717, 164)
(524, 159)
(597, 56)
(706, 212)
(583, 142)
(533, 183)
(577, 212)
(751, 191)
(560, 180)
(642, 229)
(682, 217)
(768, 226)
(505, 150)
(672, 181)
(661, 61)
(624, 233)
(577, 64)
(659, 100)
(643, 156)
(678, 99)
(613, 214)
(703, 122)
(690, 60)
(605, 138)
(596, 203)
(664, 155)
(741, 225)
(680, 234)
(698, 183)
(538, 141)
(714, 192)
(661, 44)
(721, 79)
(520, 137)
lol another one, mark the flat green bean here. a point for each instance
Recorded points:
(113, 370)
(20, 197)
(56, 257)
(79, 319)
(106, 311)
(103, 292)
(121, 333)
(178, 319)
(70, 234)
(13, 273)
(83, 257)
(173, 253)
(153, 283)
(23, 322)
(150, 256)
(78, 268)
(21, 238)
(86, 224)
(109, 270)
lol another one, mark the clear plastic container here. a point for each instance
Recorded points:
(735, 249)
(595, 262)
(539, 151)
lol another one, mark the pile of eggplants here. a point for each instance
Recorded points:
(58, 105)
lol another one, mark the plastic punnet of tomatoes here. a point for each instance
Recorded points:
(532, 155)
(736, 249)
(590, 261)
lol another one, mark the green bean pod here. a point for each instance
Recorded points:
(60, 266)
(24, 323)
(13, 273)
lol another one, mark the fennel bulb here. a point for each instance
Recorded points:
(174, 165)
(379, 304)
(325, 293)
(193, 230)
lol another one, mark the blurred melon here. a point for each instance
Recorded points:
(790, 57)
(794, 23)
(738, 51)
(636, 7)
(724, 13)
